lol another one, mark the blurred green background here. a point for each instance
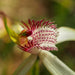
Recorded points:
(60, 11)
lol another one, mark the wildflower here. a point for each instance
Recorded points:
(37, 38)
(39, 35)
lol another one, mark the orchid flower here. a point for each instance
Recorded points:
(39, 38)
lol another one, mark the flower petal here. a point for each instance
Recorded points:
(54, 65)
(65, 34)
(26, 65)
(17, 28)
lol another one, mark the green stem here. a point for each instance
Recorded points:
(5, 21)
(12, 34)
(35, 69)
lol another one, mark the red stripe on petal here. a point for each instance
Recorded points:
(50, 23)
(29, 21)
(53, 26)
(25, 24)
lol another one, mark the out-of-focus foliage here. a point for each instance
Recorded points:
(60, 11)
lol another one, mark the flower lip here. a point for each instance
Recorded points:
(43, 34)
(45, 38)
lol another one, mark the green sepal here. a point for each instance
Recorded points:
(12, 34)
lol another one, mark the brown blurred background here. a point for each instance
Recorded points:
(61, 11)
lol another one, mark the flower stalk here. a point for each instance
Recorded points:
(35, 69)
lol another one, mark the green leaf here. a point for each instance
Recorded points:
(12, 34)
(26, 65)
(54, 65)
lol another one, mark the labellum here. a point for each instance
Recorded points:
(38, 35)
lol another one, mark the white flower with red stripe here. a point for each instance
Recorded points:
(36, 38)
(40, 34)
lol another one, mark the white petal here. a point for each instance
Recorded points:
(54, 65)
(65, 34)
(17, 28)
(26, 65)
